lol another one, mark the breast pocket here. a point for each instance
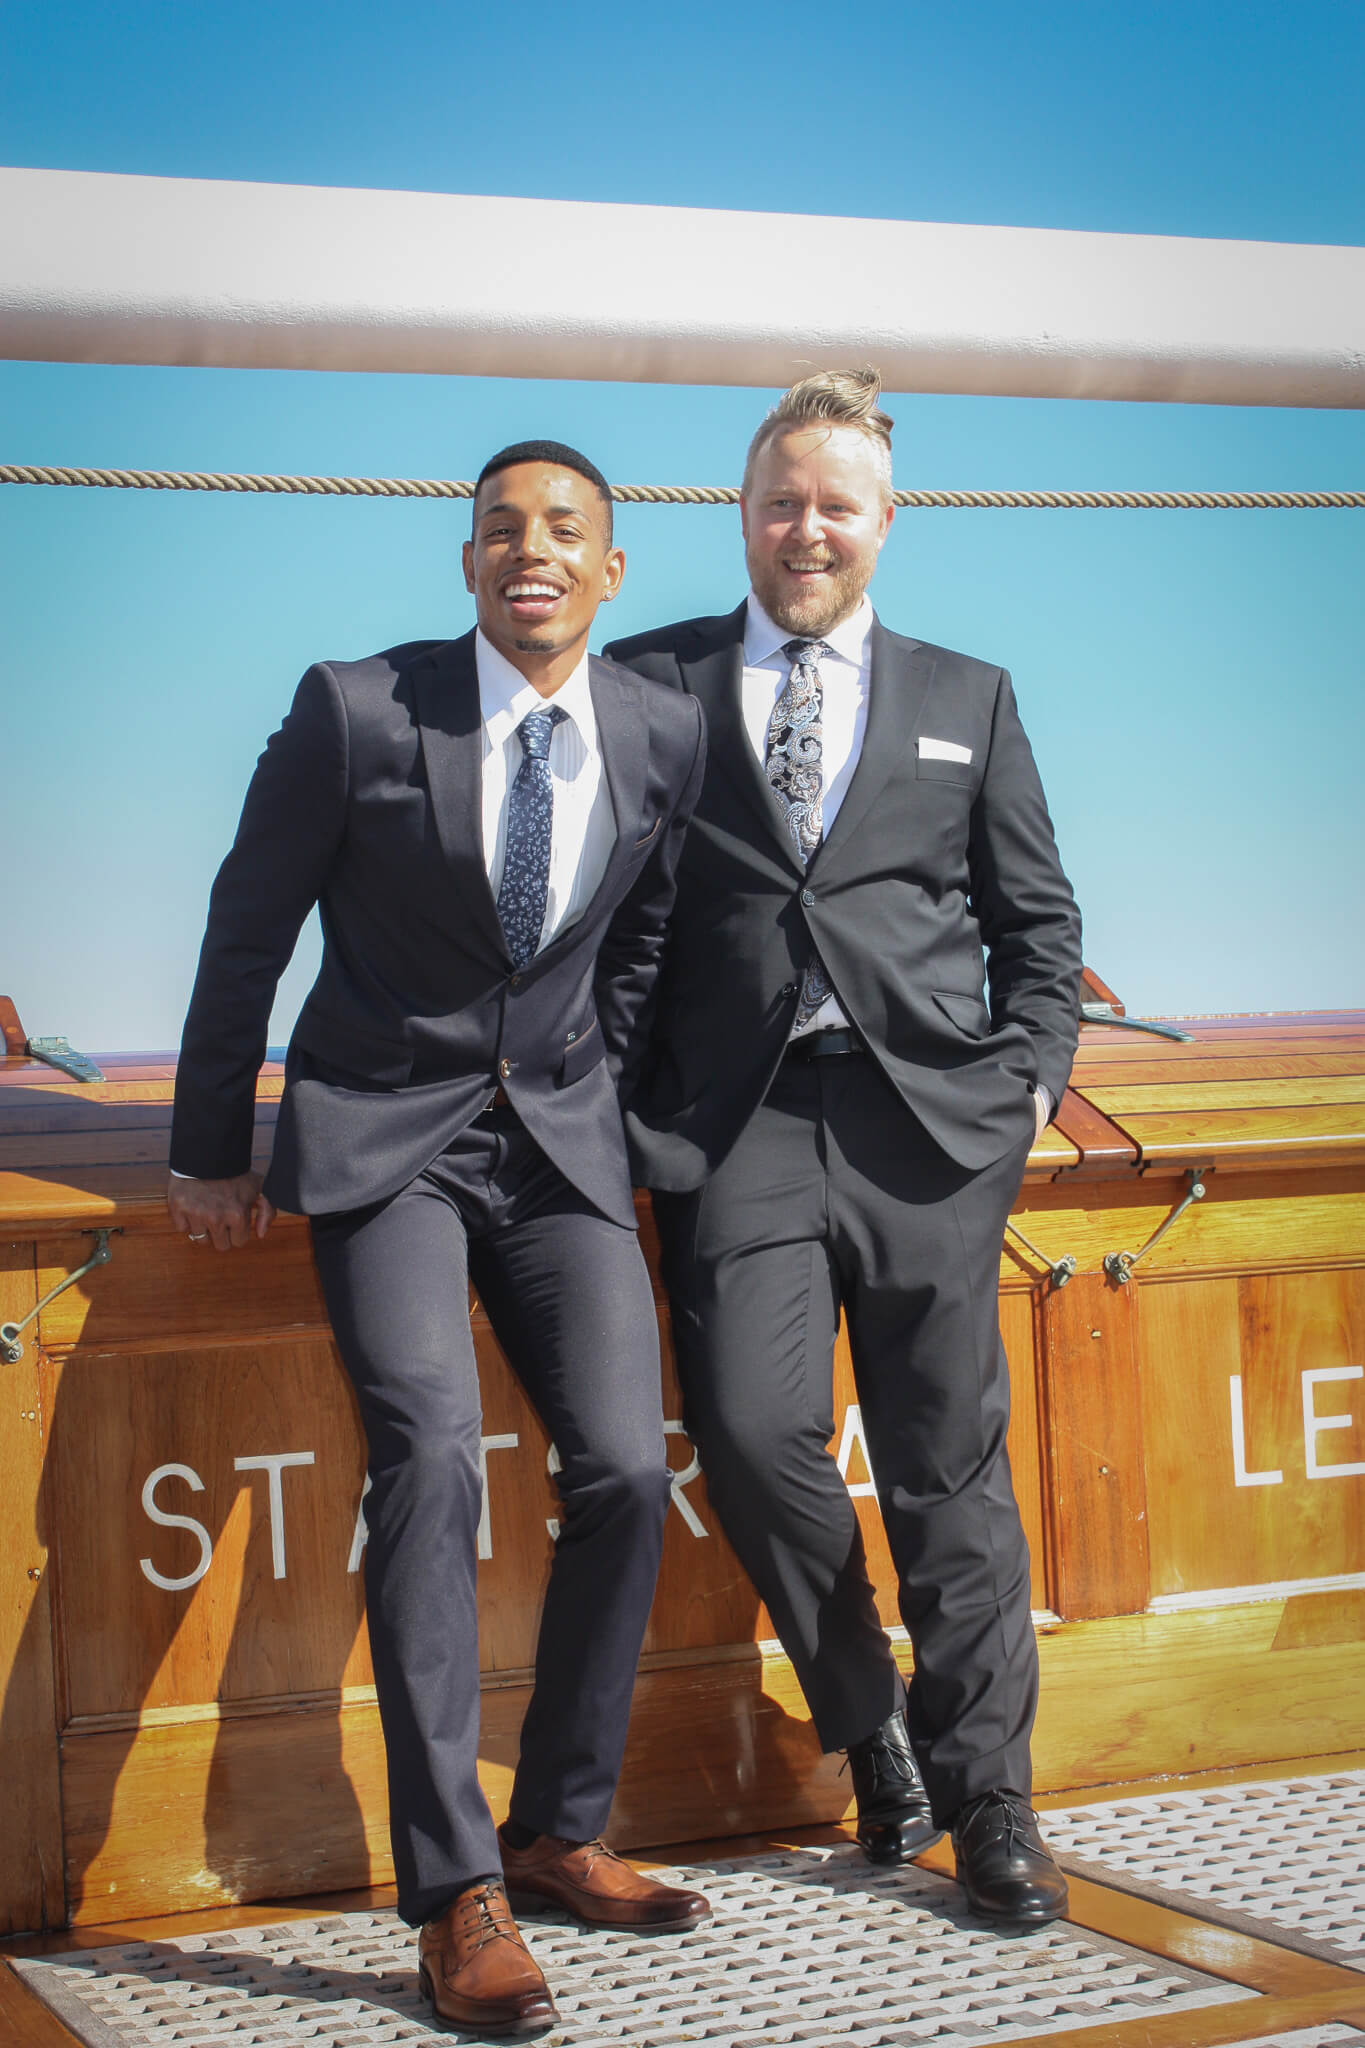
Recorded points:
(964, 774)
(583, 1052)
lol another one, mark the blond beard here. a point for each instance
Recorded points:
(816, 612)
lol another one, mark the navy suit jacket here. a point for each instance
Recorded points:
(367, 801)
(937, 874)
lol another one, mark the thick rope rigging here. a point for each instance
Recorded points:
(680, 494)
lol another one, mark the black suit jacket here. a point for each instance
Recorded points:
(934, 872)
(367, 801)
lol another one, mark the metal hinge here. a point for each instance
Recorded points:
(60, 1053)
(1105, 1013)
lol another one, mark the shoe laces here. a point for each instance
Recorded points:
(484, 1915)
(886, 1763)
(1009, 1805)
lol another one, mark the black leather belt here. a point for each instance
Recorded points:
(824, 1045)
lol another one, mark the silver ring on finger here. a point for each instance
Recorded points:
(198, 1236)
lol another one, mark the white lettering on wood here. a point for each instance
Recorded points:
(272, 1463)
(360, 1535)
(164, 1520)
(1240, 1474)
(508, 1442)
(1314, 1424)
(853, 1435)
(678, 1480)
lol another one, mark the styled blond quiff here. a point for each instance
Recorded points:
(834, 398)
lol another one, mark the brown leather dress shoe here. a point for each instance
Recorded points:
(594, 1885)
(475, 1969)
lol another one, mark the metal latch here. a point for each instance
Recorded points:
(1059, 1270)
(11, 1350)
(1119, 1265)
(1105, 1013)
(60, 1053)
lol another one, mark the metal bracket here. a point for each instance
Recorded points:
(1059, 1270)
(1119, 1265)
(60, 1053)
(1105, 1013)
(11, 1350)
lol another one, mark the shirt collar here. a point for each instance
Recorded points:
(505, 696)
(762, 639)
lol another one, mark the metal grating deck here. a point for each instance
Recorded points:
(812, 1947)
(1289, 1855)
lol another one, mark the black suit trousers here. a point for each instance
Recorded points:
(569, 1297)
(835, 1198)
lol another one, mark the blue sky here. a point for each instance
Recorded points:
(1192, 681)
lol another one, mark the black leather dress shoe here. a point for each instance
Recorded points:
(894, 1817)
(1002, 1864)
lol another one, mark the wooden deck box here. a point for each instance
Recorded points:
(188, 1714)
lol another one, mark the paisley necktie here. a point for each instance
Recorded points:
(525, 882)
(794, 765)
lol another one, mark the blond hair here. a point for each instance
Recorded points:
(835, 398)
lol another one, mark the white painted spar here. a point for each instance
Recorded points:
(114, 269)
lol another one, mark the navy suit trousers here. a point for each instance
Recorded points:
(569, 1297)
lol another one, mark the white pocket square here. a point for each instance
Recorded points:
(943, 750)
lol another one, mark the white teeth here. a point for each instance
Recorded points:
(531, 590)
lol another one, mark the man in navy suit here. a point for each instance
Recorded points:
(491, 828)
(832, 1119)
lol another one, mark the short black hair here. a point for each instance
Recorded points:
(557, 452)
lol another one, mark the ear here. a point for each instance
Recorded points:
(613, 569)
(886, 526)
(467, 557)
(744, 516)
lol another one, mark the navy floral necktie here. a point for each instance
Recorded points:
(525, 885)
(794, 765)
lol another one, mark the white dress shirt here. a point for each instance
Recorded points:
(584, 828)
(845, 675)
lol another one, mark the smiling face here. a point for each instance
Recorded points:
(539, 565)
(815, 514)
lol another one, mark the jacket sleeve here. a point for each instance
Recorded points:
(291, 825)
(1025, 908)
(632, 949)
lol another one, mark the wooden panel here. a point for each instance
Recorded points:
(1273, 1137)
(1094, 1435)
(1017, 1327)
(159, 1288)
(1246, 1221)
(30, 1799)
(25, 2022)
(1208, 1063)
(1143, 1695)
(182, 1813)
(1102, 1148)
(238, 1631)
(1283, 1092)
(1228, 1454)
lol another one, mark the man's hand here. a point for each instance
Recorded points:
(222, 1212)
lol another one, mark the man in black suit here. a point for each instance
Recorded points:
(491, 827)
(831, 1118)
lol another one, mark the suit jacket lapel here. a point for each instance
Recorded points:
(714, 673)
(446, 690)
(901, 673)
